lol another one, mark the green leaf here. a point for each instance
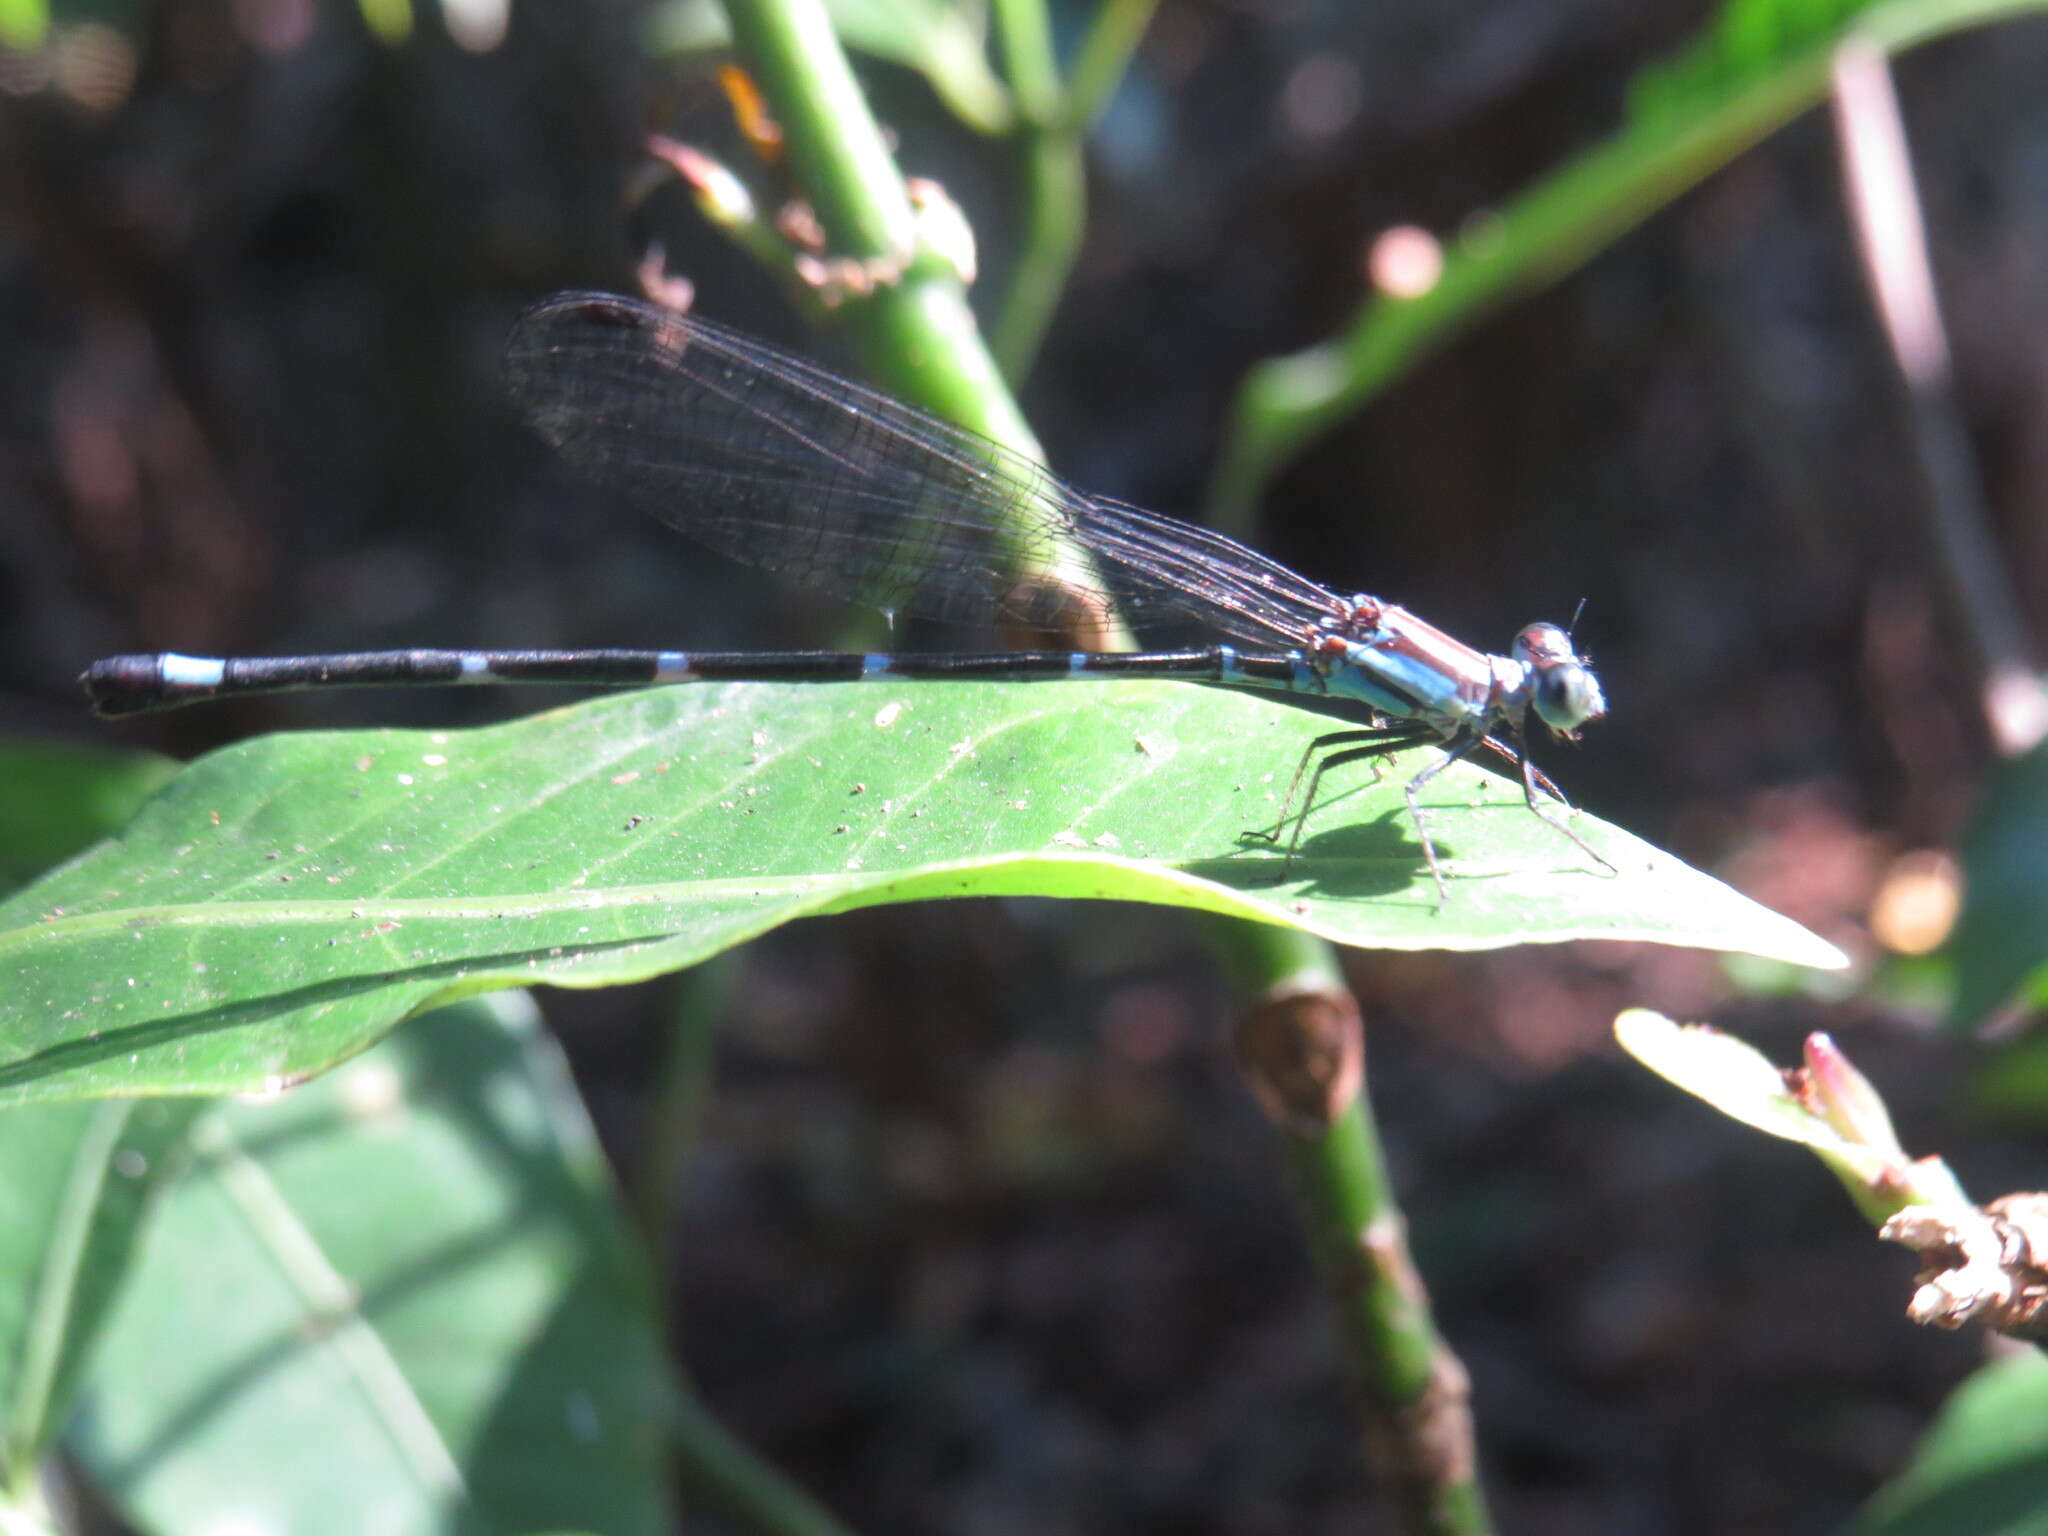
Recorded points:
(1983, 1468)
(1858, 1147)
(1759, 64)
(2000, 946)
(286, 901)
(1730, 1074)
(399, 1299)
(78, 1177)
(55, 800)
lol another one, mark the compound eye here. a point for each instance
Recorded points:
(1540, 645)
(1566, 695)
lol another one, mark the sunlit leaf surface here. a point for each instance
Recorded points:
(285, 901)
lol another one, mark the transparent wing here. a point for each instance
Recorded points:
(780, 464)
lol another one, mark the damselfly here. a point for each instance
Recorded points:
(783, 465)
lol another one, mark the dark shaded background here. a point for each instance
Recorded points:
(985, 1235)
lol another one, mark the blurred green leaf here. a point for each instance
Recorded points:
(400, 1299)
(1921, 984)
(2008, 1084)
(1759, 64)
(943, 42)
(389, 21)
(1745, 43)
(1760, 976)
(71, 1205)
(2001, 939)
(23, 24)
(1982, 1470)
(286, 901)
(56, 799)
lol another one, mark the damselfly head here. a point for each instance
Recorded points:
(1561, 686)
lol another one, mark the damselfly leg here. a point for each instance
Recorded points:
(1334, 749)
(1533, 779)
(1338, 749)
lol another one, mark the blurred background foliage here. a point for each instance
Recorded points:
(983, 1231)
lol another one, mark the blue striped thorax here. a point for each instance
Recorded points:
(1404, 667)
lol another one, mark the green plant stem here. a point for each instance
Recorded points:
(1419, 1416)
(1028, 60)
(1539, 237)
(834, 144)
(916, 332)
(1055, 195)
(915, 329)
(717, 1471)
(683, 1089)
(1055, 185)
(914, 339)
(1051, 134)
(722, 1476)
(1419, 1430)
(1104, 55)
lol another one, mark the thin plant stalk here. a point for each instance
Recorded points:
(1053, 124)
(1891, 236)
(1104, 56)
(723, 1477)
(917, 339)
(1301, 1045)
(1055, 185)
